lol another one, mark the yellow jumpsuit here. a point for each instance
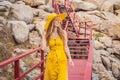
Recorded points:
(56, 63)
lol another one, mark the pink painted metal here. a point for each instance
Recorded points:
(55, 6)
(77, 72)
(17, 69)
(16, 59)
(89, 62)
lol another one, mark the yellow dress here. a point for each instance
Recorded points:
(56, 63)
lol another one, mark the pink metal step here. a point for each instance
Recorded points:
(77, 72)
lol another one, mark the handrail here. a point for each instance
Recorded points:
(55, 6)
(16, 60)
(89, 64)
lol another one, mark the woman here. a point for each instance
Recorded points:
(56, 39)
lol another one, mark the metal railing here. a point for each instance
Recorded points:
(16, 61)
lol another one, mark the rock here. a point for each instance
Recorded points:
(108, 6)
(98, 3)
(6, 43)
(107, 41)
(48, 2)
(3, 21)
(110, 50)
(114, 59)
(22, 65)
(5, 5)
(117, 6)
(94, 68)
(96, 56)
(104, 53)
(109, 16)
(20, 30)
(12, 1)
(95, 76)
(97, 35)
(34, 39)
(110, 25)
(98, 45)
(115, 31)
(22, 12)
(81, 5)
(98, 68)
(116, 44)
(40, 24)
(101, 68)
(20, 2)
(18, 50)
(1, 0)
(47, 8)
(3, 78)
(1, 28)
(117, 12)
(90, 16)
(31, 27)
(115, 69)
(42, 14)
(106, 75)
(106, 62)
(116, 48)
(34, 2)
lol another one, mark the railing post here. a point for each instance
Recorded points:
(17, 69)
(42, 65)
(85, 30)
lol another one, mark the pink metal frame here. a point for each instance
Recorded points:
(55, 6)
(16, 61)
(88, 71)
(73, 16)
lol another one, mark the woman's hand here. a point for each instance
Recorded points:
(71, 62)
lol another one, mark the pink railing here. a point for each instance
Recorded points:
(16, 60)
(88, 70)
(55, 6)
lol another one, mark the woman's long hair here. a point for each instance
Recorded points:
(50, 30)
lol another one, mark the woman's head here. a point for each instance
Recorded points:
(54, 24)
(55, 19)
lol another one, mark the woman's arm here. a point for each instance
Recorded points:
(67, 51)
(43, 43)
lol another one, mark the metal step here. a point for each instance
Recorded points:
(79, 55)
(75, 44)
(79, 51)
(82, 48)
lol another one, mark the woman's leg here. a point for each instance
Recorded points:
(62, 71)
